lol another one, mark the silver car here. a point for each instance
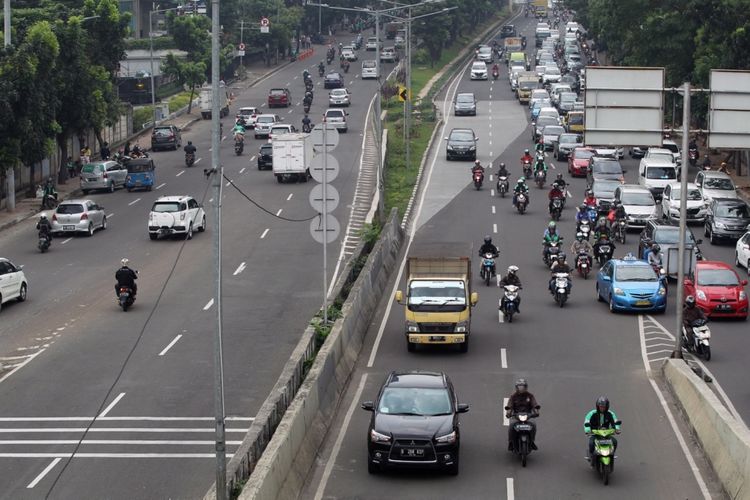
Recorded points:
(106, 175)
(337, 118)
(78, 216)
(263, 124)
(338, 97)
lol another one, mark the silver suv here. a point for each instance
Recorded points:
(337, 118)
(102, 175)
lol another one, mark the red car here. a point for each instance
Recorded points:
(578, 161)
(279, 97)
(718, 290)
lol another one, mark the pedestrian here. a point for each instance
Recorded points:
(724, 167)
(70, 165)
(126, 151)
(85, 155)
(105, 152)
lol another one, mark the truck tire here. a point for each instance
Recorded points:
(465, 346)
(411, 346)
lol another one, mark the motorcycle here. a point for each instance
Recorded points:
(540, 177)
(693, 156)
(509, 302)
(552, 252)
(322, 70)
(521, 203)
(488, 268)
(502, 185)
(527, 169)
(604, 253)
(45, 239)
(329, 59)
(478, 178)
(306, 128)
(583, 264)
(620, 228)
(495, 74)
(125, 298)
(189, 159)
(239, 146)
(561, 288)
(306, 107)
(346, 67)
(700, 346)
(523, 427)
(556, 209)
(584, 227)
(604, 452)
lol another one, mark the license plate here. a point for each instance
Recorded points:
(437, 338)
(523, 427)
(412, 452)
(69, 228)
(724, 307)
(604, 442)
(643, 303)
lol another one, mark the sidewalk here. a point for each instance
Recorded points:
(26, 208)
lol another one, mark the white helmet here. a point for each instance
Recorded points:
(513, 269)
(124, 262)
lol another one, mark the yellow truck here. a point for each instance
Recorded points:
(438, 301)
(540, 6)
(510, 45)
(527, 81)
(574, 122)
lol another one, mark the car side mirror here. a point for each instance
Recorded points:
(618, 422)
(368, 406)
(462, 408)
(743, 282)
(446, 138)
(474, 298)
(399, 296)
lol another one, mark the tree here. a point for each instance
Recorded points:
(187, 73)
(191, 34)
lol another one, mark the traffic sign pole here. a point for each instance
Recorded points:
(325, 224)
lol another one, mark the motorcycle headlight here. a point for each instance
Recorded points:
(460, 327)
(447, 439)
(377, 437)
(411, 327)
(618, 291)
(700, 294)
(604, 452)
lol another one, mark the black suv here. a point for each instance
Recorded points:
(604, 167)
(666, 234)
(727, 218)
(461, 144)
(507, 30)
(414, 423)
(265, 156)
(165, 137)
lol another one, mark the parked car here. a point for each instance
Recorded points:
(578, 161)
(565, 145)
(333, 80)
(715, 184)
(279, 98)
(13, 283)
(638, 202)
(263, 124)
(339, 97)
(726, 218)
(717, 289)
(265, 157)
(414, 423)
(176, 215)
(465, 104)
(631, 285)
(670, 203)
(336, 117)
(78, 216)
(461, 144)
(104, 175)
(165, 137)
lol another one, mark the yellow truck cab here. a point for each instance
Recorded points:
(438, 301)
(574, 122)
(527, 82)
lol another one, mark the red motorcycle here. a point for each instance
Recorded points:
(583, 264)
(478, 178)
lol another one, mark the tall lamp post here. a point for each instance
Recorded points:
(151, 56)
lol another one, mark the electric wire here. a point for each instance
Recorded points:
(231, 182)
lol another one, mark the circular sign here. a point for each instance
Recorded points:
(331, 202)
(264, 21)
(241, 46)
(331, 140)
(333, 228)
(316, 167)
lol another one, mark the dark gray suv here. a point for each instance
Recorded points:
(727, 218)
(465, 104)
(461, 145)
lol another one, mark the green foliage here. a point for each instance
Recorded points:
(191, 34)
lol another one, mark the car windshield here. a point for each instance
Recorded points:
(607, 167)
(604, 189)
(549, 70)
(583, 154)
(277, 92)
(465, 98)
(137, 168)
(338, 92)
(637, 199)
(569, 139)
(670, 236)
(576, 119)
(661, 173)
(369, 64)
(718, 183)
(72, 208)
(635, 273)
(692, 194)
(527, 84)
(334, 113)
(479, 66)
(415, 401)
(662, 156)
(717, 277)
(553, 130)
(485, 50)
(437, 296)
(266, 119)
(543, 121)
(462, 136)
(166, 206)
(161, 132)
(91, 168)
(732, 211)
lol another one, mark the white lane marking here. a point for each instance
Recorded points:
(492, 191)
(493, 209)
(41, 430)
(290, 111)
(208, 305)
(490, 175)
(169, 346)
(568, 194)
(115, 441)
(287, 83)
(491, 155)
(43, 473)
(279, 212)
(668, 412)
(197, 161)
(112, 455)
(252, 158)
(112, 404)
(161, 186)
(229, 184)
(504, 358)
(494, 228)
(134, 202)
(505, 419)
(296, 77)
(264, 233)
(500, 315)
(223, 137)
(243, 169)
(339, 439)
(118, 419)
(179, 173)
(109, 216)
(210, 200)
(239, 269)
(511, 494)
(66, 240)
(289, 197)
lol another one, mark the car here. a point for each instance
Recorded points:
(176, 216)
(615, 152)
(249, 114)
(279, 98)
(78, 216)
(604, 167)
(571, 80)
(538, 126)
(165, 137)
(105, 175)
(339, 97)
(414, 423)
(336, 117)
(662, 154)
(566, 102)
(565, 145)
(507, 30)
(461, 144)
(557, 90)
(388, 54)
(667, 235)
(550, 136)
(578, 161)
(672, 146)
(631, 284)
(349, 54)
(715, 184)
(399, 42)
(265, 157)
(280, 129)
(537, 95)
(484, 54)
(604, 192)
(141, 173)
(574, 120)
(551, 75)
(550, 111)
(263, 124)
(670, 203)
(638, 151)
(333, 80)
(537, 108)
(717, 289)
(654, 174)
(638, 202)
(372, 43)
(478, 70)
(13, 283)
(726, 218)
(742, 252)
(465, 104)
(369, 69)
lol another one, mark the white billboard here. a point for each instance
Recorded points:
(624, 106)
(729, 116)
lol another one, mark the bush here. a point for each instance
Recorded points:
(142, 116)
(421, 56)
(179, 101)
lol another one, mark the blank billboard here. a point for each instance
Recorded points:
(729, 117)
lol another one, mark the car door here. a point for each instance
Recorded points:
(193, 211)
(95, 213)
(117, 172)
(9, 280)
(743, 251)
(605, 280)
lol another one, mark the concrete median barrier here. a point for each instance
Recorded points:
(724, 439)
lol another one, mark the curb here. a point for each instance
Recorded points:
(73, 194)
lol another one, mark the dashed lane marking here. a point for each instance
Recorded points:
(169, 346)
(112, 405)
(239, 269)
(161, 186)
(289, 197)
(179, 173)
(66, 240)
(243, 169)
(262, 236)
(208, 305)
(44, 473)
(504, 358)
(134, 202)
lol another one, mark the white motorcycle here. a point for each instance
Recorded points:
(700, 345)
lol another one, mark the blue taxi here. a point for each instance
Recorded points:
(630, 284)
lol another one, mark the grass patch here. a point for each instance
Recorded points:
(178, 101)
(141, 116)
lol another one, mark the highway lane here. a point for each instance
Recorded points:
(267, 302)
(570, 356)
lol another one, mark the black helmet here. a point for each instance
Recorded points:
(488, 239)
(561, 257)
(602, 401)
(559, 177)
(690, 301)
(521, 382)
(655, 248)
(502, 165)
(190, 143)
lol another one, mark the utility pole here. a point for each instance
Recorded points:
(242, 40)
(407, 118)
(10, 172)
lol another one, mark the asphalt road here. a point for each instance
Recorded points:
(64, 348)
(570, 356)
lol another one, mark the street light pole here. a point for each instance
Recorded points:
(677, 353)
(10, 172)
(6, 22)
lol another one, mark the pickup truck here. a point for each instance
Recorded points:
(279, 98)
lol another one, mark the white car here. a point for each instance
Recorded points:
(551, 74)
(176, 215)
(372, 43)
(638, 202)
(349, 54)
(13, 284)
(249, 114)
(615, 152)
(742, 252)
(336, 117)
(485, 53)
(479, 70)
(369, 69)
(715, 185)
(672, 146)
(339, 97)
(537, 95)
(388, 54)
(281, 129)
(263, 124)
(670, 203)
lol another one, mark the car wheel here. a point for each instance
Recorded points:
(611, 303)
(22, 293)
(453, 469)
(711, 237)
(598, 295)
(202, 228)
(104, 223)
(90, 230)
(111, 187)
(130, 190)
(372, 468)
(189, 234)
(153, 236)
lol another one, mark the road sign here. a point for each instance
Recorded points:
(241, 46)
(316, 167)
(264, 29)
(264, 21)
(316, 198)
(332, 137)
(241, 53)
(729, 116)
(403, 93)
(333, 228)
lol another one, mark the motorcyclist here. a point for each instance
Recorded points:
(540, 164)
(706, 162)
(345, 64)
(502, 171)
(45, 228)
(477, 167)
(49, 192)
(560, 183)
(519, 188)
(527, 157)
(581, 245)
(582, 214)
(126, 277)
(601, 228)
(307, 100)
(190, 149)
(489, 248)
(238, 132)
(539, 146)
(306, 123)
(550, 235)
(521, 401)
(321, 67)
(691, 312)
(603, 239)
(555, 193)
(590, 199)
(601, 417)
(654, 257)
(495, 69)
(560, 266)
(512, 279)
(616, 212)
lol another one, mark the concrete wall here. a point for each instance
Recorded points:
(725, 441)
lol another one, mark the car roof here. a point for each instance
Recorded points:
(630, 262)
(659, 150)
(713, 264)
(76, 201)
(715, 173)
(729, 201)
(266, 115)
(677, 185)
(181, 197)
(458, 129)
(634, 188)
(417, 378)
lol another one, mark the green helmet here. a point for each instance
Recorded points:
(521, 181)
(552, 225)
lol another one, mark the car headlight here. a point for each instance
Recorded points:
(447, 439)
(460, 327)
(700, 294)
(720, 225)
(662, 291)
(472, 148)
(411, 327)
(450, 148)
(743, 295)
(377, 437)
(618, 291)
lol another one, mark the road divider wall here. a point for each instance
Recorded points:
(724, 439)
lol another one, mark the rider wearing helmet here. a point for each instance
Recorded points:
(560, 182)
(550, 235)
(190, 149)
(126, 278)
(691, 312)
(590, 199)
(580, 245)
(477, 167)
(560, 265)
(601, 417)
(512, 279)
(519, 188)
(654, 256)
(526, 157)
(502, 170)
(45, 228)
(521, 401)
(488, 247)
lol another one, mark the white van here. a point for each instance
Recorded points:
(656, 174)
(369, 69)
